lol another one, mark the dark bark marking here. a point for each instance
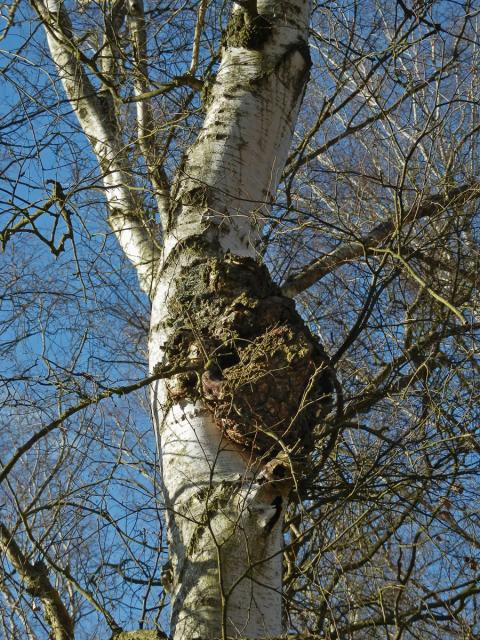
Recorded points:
(278, 504)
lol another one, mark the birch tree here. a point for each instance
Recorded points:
(310, 453)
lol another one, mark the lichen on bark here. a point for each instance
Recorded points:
(259, 370)
(205, 505)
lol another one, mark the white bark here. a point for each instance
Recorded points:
(233, 169)
(224, 519)
(145, 120)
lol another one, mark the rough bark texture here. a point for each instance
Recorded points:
(230, 174)
(38, 585)
(225, 533)
(248, 355)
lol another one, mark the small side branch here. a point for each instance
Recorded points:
(160, 372)
(198, 34)
(145, 121)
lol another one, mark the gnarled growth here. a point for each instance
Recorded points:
(264, 377)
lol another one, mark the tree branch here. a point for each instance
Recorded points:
(297, 159)
(95, 112)
(198, 33)
(145, 120)
(140, 635)
(367, 244)
(37, 583)
(160, 372)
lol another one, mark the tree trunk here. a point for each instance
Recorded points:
(224, 502)
(217, 319)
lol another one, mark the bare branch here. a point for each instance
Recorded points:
(366, 245)
(86, 402)
(38, 585)
(145, 120)
(198, 33)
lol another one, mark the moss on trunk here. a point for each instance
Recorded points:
(250, 31)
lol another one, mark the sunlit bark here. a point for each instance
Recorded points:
(225, 529)
(224, 514)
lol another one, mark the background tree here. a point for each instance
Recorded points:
(160, 136)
